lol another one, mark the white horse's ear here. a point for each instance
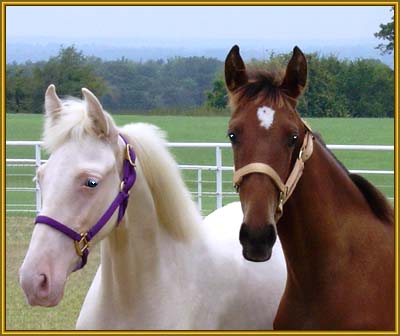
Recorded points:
(96, 114)
(52, 103)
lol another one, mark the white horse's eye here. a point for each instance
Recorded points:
(91, 183)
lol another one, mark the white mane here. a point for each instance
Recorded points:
(73, 122)
(172, 200)
(176, 211)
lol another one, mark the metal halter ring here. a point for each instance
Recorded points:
(81, 245)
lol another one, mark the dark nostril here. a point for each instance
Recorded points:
(270, 234)
(264, 235)
(244, 233)
(43, 285)
(257, 242)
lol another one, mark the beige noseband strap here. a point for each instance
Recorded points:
(286, 189)
(258, 167)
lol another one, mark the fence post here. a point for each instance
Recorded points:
(199, 190)
(38, 162)
(218, 176)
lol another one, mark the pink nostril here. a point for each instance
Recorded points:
(37, 288)
(43, 286)
(43, 281)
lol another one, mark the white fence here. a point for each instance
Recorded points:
(216, 191)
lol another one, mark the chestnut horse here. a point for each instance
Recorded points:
(336, 229)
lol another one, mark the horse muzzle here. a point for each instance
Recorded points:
(41, 289)
(257, 242)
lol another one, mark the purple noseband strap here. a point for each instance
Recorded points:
(81, 240)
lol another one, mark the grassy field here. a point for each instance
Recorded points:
(19, 316)
(212, 129)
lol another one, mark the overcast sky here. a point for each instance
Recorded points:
(186, 22)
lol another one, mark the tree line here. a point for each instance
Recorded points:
(195, 85)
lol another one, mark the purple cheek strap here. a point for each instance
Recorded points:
(81, 240)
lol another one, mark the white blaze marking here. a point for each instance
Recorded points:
(266, 116)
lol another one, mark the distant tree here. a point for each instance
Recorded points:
(322, 97)
(386, 33)
(368, 86)
(335, 88)
(217, 97)
(194, 75)
(19, 88)
(179, 82)
(70, 71)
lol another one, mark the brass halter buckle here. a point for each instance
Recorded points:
(128, 155)
(82, 245)
(280, 202)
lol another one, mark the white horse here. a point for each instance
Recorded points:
(161, 268)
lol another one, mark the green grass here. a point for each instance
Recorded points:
(19, 316)
(213, 129)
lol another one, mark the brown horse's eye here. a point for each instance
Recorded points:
(232, 137)
(293, 140)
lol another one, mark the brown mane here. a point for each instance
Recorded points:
(375, 198)
(261, 86)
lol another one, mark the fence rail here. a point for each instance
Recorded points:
(200, 192)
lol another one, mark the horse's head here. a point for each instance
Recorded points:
(267, 136)
(78, 183)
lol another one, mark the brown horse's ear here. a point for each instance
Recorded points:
(235, 70)
(296, 74)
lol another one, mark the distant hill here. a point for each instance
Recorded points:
(21, 50)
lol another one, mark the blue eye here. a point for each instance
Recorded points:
(91, 183)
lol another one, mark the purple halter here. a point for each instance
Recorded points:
(82, 240)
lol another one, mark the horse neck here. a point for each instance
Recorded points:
(322, 217)
(139, 254)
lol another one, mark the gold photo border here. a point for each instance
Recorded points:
(4, 4)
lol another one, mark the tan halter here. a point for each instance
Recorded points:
(286, 189)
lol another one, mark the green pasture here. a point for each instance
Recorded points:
(19, 316)
(212, 129)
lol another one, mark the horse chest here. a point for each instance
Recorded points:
(340, 306)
